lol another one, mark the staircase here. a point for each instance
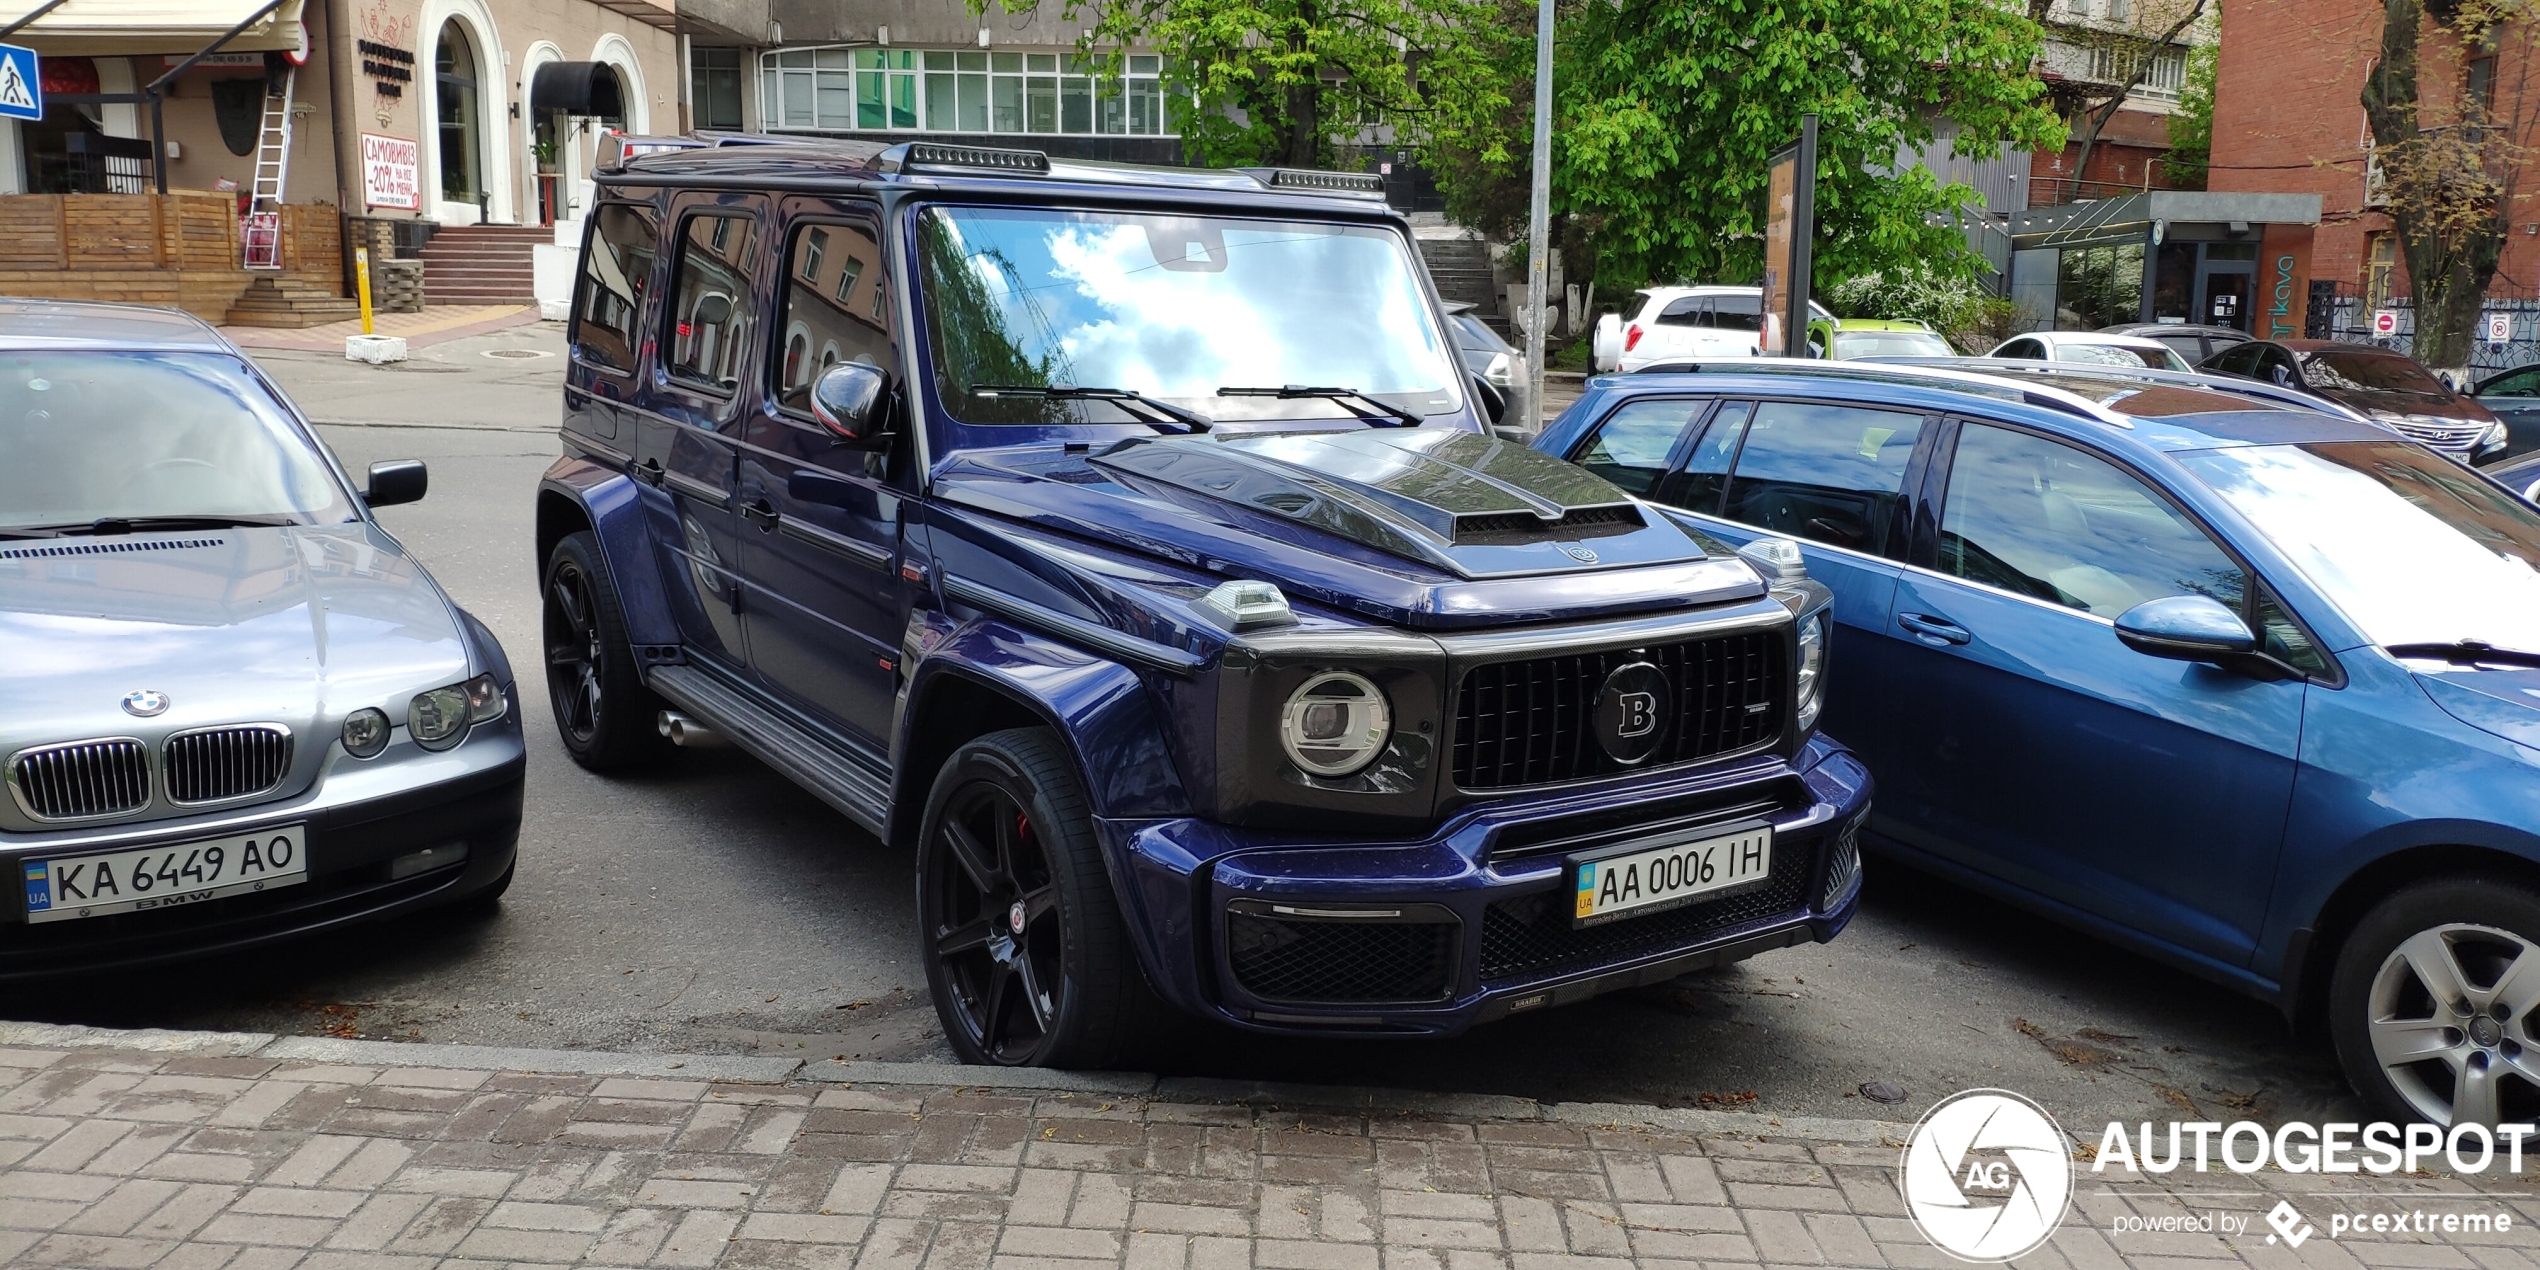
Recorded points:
(1461, 268)
(281, 301)
(481, 264)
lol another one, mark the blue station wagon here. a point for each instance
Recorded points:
(2243, 685)
(1130, 546)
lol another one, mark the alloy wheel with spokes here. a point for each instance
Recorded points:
(604, 711)
(992, 911)
(2435, 1003)
(573, 652)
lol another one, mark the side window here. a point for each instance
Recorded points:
(832, 278)
(1706, 471)
(1688, 311)
(2282, 638)
(711, 315)
(1738, 312)
(2521, 383)
(1632, 446)
(615, 278)
(2045, 520)
(2234, 360)
(2276, 367)
(2020, 348)
(1830, 474)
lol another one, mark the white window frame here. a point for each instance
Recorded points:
(981, 92)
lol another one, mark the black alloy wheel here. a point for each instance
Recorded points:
(604, 713)
(1025, 952)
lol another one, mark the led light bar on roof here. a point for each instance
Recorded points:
(1325, 182)
(929, 154)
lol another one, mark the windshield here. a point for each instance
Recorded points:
(1174, 308)
(2411, 546)
(1891, 344)
(129, 435)
(2152, 355)
(2369, 371)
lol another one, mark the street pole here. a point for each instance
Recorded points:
(1539, 220)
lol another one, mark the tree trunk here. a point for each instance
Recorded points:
(2095, 120)
(2450, 224)
(1304, 105)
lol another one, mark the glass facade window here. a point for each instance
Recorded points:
(2098, 286)
(947, 90)
(715, 87)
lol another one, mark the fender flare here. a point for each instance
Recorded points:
(612, 504)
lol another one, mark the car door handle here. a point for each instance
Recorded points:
(761, 513)
(649, 472)
(1933, 629)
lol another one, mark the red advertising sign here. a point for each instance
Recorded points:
(392, 172)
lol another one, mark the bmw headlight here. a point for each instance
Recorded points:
(438, 719)
(1335, 724)
(1812, 669)
(366, 732)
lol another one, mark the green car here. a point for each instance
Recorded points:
(1874, 337)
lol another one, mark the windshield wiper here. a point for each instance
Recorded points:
(1158, 413)
(1292, 392)
(2468, 652)
(105, 525)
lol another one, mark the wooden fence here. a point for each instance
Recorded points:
(176, 249)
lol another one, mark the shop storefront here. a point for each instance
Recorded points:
(2235, 260)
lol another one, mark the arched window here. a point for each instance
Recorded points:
(797, 346)
(454, 74)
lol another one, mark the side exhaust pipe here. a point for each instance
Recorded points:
(687, 733)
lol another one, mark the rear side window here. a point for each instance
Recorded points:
(1633, 445)
(2042, 519)
(615, 277)
(711, 318)
(1830, 474)
(836, 308)
(2238, 359)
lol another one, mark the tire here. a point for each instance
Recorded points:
(604, 713)
(2434, 1004)
(1008, 833)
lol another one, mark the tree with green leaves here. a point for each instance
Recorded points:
(2192, 128)
(1292, 82)
(1667, 113)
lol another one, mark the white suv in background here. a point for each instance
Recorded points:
(1665, 324)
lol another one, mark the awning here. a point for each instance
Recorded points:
(588, 90)
(139, 28)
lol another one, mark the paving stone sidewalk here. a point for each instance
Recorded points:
(233, 1157)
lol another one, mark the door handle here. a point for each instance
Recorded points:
(1933, 629)
(761, 513)
(649, 472)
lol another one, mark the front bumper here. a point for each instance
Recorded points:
(360, 818)
(1472, 924)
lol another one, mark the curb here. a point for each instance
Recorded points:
(1357, 1099)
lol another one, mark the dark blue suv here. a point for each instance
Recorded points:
(2188, 664)
(1130, 546)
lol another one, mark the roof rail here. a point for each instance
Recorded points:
(1313, 181)
(1999, 387)
(618, 148)
(2209, 381)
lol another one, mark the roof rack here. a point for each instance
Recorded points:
(617, 149)
(2209, 381)
(1317, 182)
(920, 155)
(2049, 397)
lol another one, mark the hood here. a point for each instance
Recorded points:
(2431, 405)
(2504, 701)
(288, 625)
(1426, 527)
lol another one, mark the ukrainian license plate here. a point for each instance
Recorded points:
(1632, 879)
(65, 887)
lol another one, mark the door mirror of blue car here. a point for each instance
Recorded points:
(402, 481)
(2186, 628)
(852, 401)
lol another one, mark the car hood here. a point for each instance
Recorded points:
(2503, 701)
(296, 625)
(1424, 527)
(2408, 403)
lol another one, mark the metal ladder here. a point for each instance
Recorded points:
(263, 236)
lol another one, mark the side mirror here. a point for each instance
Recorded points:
(1492, 402)
(850, 399)
(402, 481)
(2185, 628)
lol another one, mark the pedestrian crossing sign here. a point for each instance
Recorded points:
(21, 85)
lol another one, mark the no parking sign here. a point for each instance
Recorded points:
(2500, 328)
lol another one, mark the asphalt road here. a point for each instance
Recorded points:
(709, 906)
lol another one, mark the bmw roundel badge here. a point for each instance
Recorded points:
(146, 703)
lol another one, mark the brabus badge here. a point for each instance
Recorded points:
(1578, 551)
(147, 703)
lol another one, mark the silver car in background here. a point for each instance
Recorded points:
(232, 708)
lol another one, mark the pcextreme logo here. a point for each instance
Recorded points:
(1988, 1175)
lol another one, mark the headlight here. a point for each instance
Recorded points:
(2493, 438)
(1335, 724)
(438, 719)
(366, 732)
(1812, 669)
(1501, 373)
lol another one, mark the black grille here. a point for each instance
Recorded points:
(1357, 961)
(1530, 937)
(1503, 528)
(1531, 722)
(82, 779)
(207, 767)
(1843, 868)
